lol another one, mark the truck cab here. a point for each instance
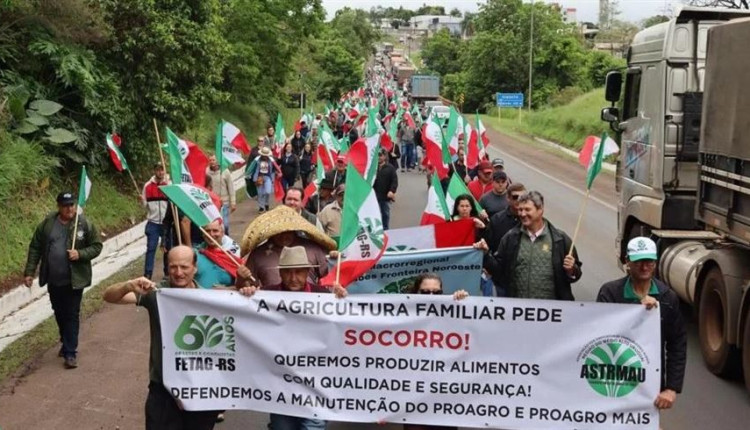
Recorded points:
(658, 124)
(683, 171)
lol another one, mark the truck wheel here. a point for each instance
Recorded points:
(746, 352)
(720, 357)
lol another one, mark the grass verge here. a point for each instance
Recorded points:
(113, 206)
(567, 125)
(19, 356)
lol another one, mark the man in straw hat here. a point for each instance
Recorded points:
(268, 234)
(294, 269)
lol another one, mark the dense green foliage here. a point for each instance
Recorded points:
(73, 70)
(496, 58)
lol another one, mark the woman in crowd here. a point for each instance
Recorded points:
(464, 208)
(298, 142)
(431, 284)
(306, 164)
(289, 164)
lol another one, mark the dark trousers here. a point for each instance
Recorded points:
(153, 233)
(66, 303)
(385, 213)
(162, 412)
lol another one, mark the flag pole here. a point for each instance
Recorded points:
(75, 229)
(175, 220)
(338, 268)
(578, 224)
(135, 184)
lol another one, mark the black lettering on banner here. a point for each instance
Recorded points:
(567, 416)
(532, 314)
(262, 305)
(280, 398)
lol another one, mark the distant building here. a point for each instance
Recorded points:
(431, 24)
(569, 15)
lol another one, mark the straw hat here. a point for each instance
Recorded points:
(265, 151)
(294, 257)
(279, 220)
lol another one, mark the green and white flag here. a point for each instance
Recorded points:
(362, 241)
(193, 201)
(457, 187)
(595, 165)
(279, 138)
(84, 190)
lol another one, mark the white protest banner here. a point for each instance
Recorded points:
(479, 362)
(459, 268)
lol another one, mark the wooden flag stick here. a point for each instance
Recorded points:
(175, 219)
(578, 224)
(338, 268)
(75, 229)
(218, 245)
(135, 184)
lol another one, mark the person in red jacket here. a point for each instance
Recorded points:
(483, 182)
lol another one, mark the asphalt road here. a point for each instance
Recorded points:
(109, 388)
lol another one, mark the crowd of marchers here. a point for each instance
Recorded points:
(288, 245)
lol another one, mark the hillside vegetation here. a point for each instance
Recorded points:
(568, 124)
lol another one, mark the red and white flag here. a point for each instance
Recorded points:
(432, 137)
(478, 143)
(114, 152)
(363, 153)
(443, 235)
(589, 149)
(436, 210)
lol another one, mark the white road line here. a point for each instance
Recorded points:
(565, 184)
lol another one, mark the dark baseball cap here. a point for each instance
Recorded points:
(66, 198)
(499, 176)
(498, 162)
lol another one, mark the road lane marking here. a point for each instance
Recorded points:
(547, 175)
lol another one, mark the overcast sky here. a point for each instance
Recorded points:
(587, 10)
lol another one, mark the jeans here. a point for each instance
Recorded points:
(407, 155)
(225, 217)
(162, 413)
(385, 213)
(284, 422)
(153, 233)
(66, 303)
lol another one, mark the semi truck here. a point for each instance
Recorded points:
(425, 88)
(683, 171)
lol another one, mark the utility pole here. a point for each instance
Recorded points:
(531, 53)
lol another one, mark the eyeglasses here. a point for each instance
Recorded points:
(515, 196)
(430, 291)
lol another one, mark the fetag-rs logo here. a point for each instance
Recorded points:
(205, 332)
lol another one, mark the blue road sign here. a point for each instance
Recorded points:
(511, 100)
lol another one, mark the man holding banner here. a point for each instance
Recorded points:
(533, 261)
(162, 411)
(640, 286)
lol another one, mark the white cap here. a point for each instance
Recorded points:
(641, 248)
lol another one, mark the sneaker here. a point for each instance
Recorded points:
(70, 363)
(261, 210)
(220, 417)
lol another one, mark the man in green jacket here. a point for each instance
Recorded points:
(66, 270)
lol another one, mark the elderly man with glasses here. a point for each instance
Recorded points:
(535, 259)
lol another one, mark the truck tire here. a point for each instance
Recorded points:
(746, 352)
(719, 355)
